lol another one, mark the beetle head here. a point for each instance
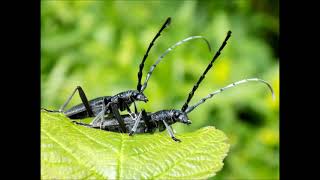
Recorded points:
(181, 116)
(139, 96)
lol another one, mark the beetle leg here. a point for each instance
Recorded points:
(83, 99)
(48, 110)
(146, 120)
(115, 112)
(135, 107)
(132, 115)
(82, 124)
(170, 131)
(100, 116)
(134, 128)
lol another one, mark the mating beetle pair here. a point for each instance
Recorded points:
(143, 122)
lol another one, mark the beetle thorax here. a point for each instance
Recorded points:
(126, 96)
(166, 115)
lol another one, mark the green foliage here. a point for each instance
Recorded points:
(69, 151)
(99, 45)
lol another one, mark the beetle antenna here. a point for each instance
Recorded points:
(191, 108)
(195, 87)
(166, 52)
(167, 23)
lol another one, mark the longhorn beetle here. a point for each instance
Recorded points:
(165, 118)
(107, 105)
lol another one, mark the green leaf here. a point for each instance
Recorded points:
(70, 151)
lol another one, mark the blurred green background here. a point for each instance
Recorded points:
(99, 45)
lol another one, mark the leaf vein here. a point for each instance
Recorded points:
(68, 151)
(94, 140)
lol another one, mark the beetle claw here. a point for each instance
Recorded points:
(176, 139)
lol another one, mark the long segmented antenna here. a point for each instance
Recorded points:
(166, 52)
(167, 23)
(195, 87)
(189, 109)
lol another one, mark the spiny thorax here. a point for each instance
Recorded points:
(126, 96)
